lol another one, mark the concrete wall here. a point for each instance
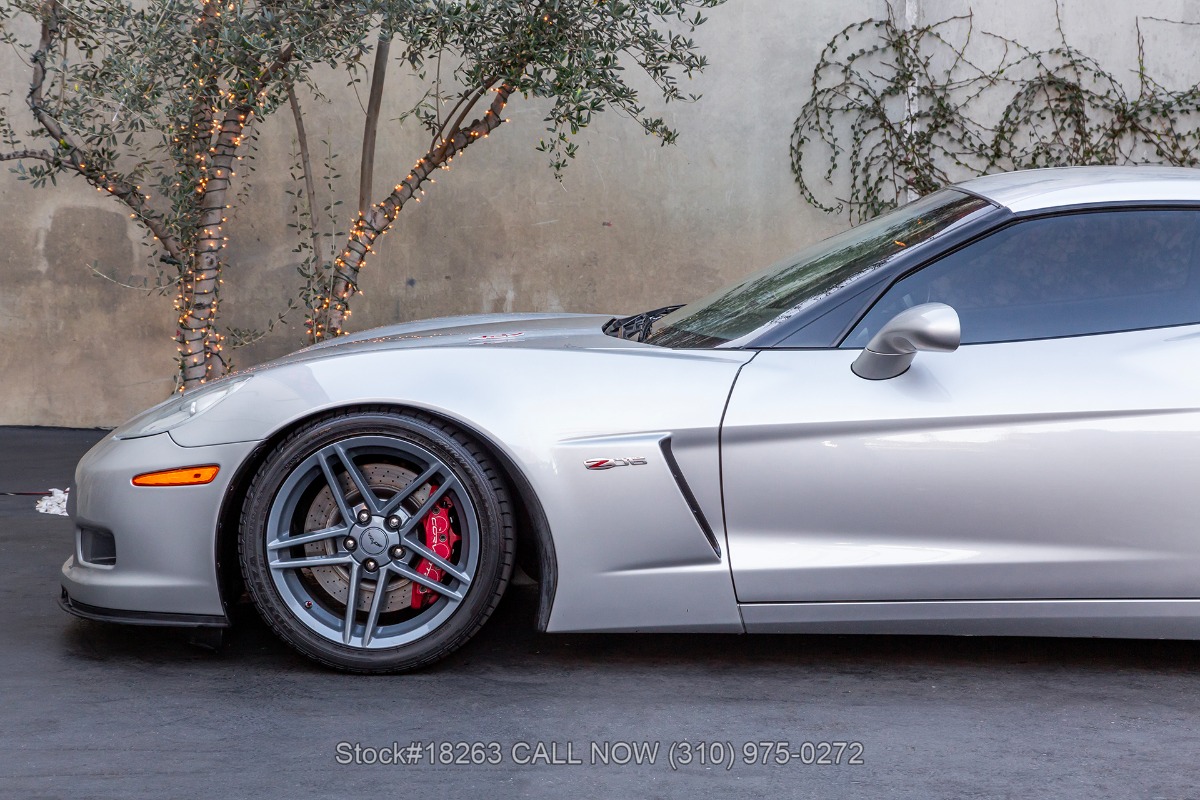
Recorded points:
(631, 226)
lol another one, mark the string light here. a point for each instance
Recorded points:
(364, 232)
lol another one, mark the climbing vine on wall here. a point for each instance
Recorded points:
(897, 112)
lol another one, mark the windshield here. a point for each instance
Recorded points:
(786, 288)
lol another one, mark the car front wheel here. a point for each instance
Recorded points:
(376, 540)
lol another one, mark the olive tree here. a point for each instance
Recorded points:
(572, 57)
(154, 103)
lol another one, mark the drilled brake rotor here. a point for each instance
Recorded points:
(384, 480)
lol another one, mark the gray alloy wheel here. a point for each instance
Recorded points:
(376, 541)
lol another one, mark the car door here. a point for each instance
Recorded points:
(1053, 456)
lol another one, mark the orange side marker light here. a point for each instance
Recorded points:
(182, 476)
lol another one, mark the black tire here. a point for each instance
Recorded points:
(482, 500)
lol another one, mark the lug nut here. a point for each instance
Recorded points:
(370, 565)
(350, 544)
(393, 522)
(397, 552)
(364, 517)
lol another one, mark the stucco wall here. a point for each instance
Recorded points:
(631, 226)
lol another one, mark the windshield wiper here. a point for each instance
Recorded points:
(639, 326)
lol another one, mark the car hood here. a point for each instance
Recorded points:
(477, 330)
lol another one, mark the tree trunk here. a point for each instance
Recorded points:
(330, 314)
(199, 342)
(201, 267)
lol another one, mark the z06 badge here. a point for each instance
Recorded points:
(609, 463)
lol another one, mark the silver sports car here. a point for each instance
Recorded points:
(978, 414)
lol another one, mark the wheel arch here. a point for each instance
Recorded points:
(535, 544)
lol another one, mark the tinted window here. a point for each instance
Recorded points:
(1061, 276)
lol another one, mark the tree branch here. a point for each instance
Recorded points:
(75, 157)
(310, 189)
(366, 167)
(445, 134)
(51, 23)
(270, 71)
(17, 155)
(328, 318)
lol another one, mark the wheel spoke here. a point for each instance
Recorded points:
(311, 561)
(305, 538)
(359, 480)
(426, 507)
(412, 540)
(425, 581)
(351, 602)
(335, 487)
(414, 544)
(376, 605)
(399, 497)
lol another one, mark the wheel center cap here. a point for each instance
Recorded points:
(373, 541)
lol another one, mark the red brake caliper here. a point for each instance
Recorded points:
(440, 538)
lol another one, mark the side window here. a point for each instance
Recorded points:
(1097, 272)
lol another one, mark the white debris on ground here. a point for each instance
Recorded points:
(54, 503)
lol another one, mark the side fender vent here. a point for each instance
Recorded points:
(664, 444)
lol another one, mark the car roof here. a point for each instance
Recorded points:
(1040, 189)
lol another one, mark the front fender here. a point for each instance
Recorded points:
(630, 553)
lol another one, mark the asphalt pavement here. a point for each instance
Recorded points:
(91, 710)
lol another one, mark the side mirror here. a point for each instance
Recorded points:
(932, 326)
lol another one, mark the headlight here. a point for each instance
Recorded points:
(178, 410)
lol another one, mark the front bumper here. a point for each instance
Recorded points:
(165, 537)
